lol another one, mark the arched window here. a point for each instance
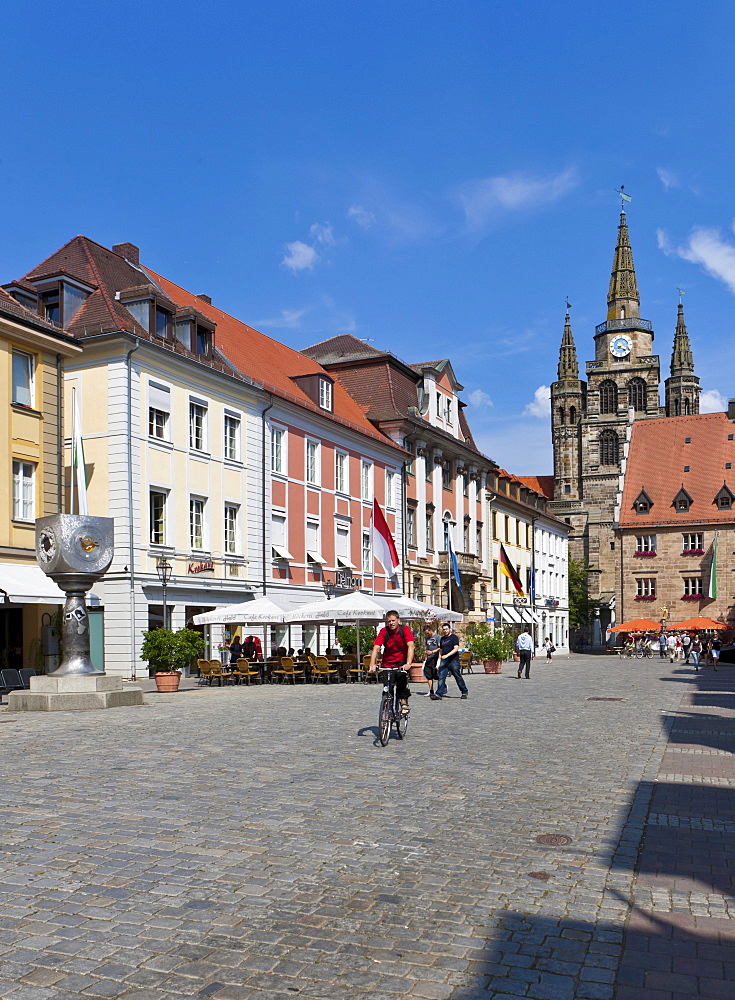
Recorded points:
(561, 414)
(687, 407)
(609, 448)
(608, 396)
(637, 394)
(677, 407)
(572, 414)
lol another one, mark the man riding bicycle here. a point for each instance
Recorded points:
(397, 642)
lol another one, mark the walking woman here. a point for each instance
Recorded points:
(549, 647)
(695, 650)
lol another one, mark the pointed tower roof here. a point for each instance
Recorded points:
(682, 359)
(568, 368)
(622, 298)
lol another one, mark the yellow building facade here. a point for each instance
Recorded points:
(32, 359)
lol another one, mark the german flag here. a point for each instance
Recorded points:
(507, 570)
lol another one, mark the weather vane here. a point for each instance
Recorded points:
(681, 293)
(569, 304)
(623, 196)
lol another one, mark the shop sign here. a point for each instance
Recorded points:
(520, 600)
(345, 581)
(202, 567)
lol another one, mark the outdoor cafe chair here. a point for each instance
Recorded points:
(10, 680)
(322, 669)
(289, 668)
(203, 669)
(353, 670)
(216, 670)
(465, 662)
(25, 675)
(245, 672)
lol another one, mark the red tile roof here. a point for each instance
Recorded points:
(657, 456)
(541, 484)
(271, 364)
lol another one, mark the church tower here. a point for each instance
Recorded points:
(682, 386)
(567, 407)
(622, 385)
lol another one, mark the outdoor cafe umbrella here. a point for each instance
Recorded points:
(638, 625)
(262, 610)
(410, 608)
(702, 624)
(355, 606)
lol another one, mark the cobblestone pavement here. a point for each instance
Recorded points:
(256, 843)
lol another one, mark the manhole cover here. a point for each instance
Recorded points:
(541, 876)
(604, 699)
(554, 839)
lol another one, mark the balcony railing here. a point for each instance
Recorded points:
(629, 323)
(469, 564)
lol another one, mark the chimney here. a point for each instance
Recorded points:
(205, 298)
(731, 409)
(127, 250)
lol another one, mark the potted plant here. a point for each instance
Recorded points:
(167, 653)
(492, 646)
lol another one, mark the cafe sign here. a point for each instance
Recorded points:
(201, 567)
(345, 581)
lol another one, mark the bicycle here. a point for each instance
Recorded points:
(642, 651)
(390, 709)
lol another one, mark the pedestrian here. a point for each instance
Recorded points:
(449, 662)
(431, 663)
(235, 650)
(671, 646)
(679, 648)
(549, 647)
(662, 645)
(524, 645)
(695, 650)
(714, 651)
(686, 645)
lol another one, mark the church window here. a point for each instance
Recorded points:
(609, 448)
(637, 394)
(677, 408)
(686, 406)
(561, 414)
(572, 414)
(608, 397)
(567, 490)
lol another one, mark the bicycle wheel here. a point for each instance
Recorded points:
(639, 654)
(401, 724)
(384, 718)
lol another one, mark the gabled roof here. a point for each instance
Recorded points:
(659, 452)
(9, 307)
(440, 367)
(540, 484)
(343, 347)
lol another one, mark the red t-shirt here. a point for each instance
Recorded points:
(395, 647)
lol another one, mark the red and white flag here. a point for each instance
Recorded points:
(384, 548)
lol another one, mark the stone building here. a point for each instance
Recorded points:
(675, 515)
(591, 420)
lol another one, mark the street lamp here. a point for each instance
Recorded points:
(164, 569)
(329, 589)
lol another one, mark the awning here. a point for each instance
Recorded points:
(27, 584)
(510, 614)
(531, 616)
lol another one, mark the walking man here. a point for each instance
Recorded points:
(524, 645)
(431, 663)
(686, 645)
(662, 645)
(449, 662)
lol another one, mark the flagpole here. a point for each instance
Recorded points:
(449, 566)
(372, 551)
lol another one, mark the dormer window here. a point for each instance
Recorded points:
(51, 306)
(163, 323)
(642, 503)
(682, 501)
(59, 301)
(449, 411)
(325, 394)
(724, 498)
(203, 340)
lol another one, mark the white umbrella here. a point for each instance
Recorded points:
(356, 606)
(408, 607)
(249, 612)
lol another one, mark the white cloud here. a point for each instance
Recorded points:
(482, 200)
(712, 401)
(540, 405)
(360, 215)
(289, 319)
(299, 257)
(480, 399)
(707, 248)
(322, 233)
(668, 178)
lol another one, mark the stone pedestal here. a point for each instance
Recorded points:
(74, 693)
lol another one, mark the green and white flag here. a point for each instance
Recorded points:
(78, 470)
(712, 591)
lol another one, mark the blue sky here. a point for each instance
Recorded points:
(434, 177)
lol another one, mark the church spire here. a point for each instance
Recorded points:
(622, 298)
(682, 359)
(568, 367)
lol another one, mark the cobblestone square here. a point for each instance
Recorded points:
(242, 843)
